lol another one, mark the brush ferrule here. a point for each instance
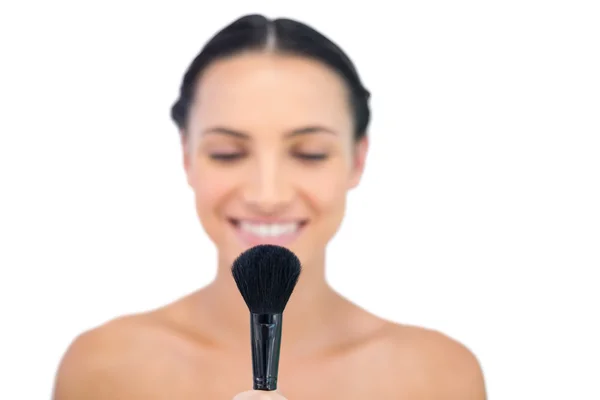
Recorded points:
(266, 343)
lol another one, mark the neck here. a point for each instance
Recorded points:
(310, 307)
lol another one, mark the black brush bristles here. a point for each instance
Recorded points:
(266, 276)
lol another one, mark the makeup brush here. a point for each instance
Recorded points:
(266, 276)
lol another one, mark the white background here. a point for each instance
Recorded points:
(478, 214)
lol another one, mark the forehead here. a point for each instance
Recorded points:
(271, 92)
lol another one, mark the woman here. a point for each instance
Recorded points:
(273, 120)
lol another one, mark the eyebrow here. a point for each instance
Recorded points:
(306, 130)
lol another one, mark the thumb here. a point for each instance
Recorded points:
(259, 395)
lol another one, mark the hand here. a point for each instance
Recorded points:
(259, 395)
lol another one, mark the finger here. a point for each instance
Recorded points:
(259, 395)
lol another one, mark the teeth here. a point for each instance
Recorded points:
(269, 230)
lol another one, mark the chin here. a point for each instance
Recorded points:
(296, 234)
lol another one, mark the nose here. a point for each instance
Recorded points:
(268, 189)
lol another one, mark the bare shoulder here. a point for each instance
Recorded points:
(446, 368)
(124, 358)
(98, 362)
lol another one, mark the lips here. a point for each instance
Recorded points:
(272, 232)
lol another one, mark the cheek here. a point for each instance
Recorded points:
(327, 188)
(210, 188)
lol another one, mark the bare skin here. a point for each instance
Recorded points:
(177, 352)
(267, 113)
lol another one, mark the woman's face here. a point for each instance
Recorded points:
(270, 155)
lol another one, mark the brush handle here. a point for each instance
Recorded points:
(266, 344)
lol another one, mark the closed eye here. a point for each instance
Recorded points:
(226, 156)
(311, 156)
(236, 156)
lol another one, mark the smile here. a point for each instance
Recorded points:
(254, 232)
(270, 230)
